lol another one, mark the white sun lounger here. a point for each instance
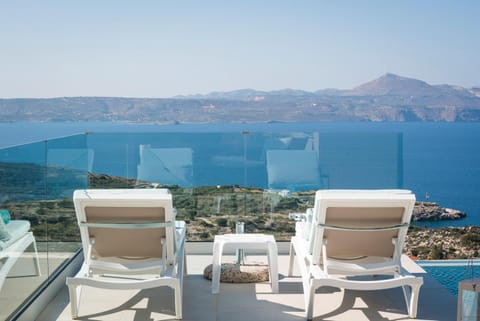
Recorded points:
(128, 232)
(352, 233)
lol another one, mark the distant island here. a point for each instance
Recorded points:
(388, 98)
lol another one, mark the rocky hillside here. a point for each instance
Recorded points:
(388, 98)
(212, 210)
(443, 243)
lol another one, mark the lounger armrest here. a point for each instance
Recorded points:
(299, 217)
(127, 225)
(303, 223)
(365, 229)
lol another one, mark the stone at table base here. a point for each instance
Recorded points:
(233, 273)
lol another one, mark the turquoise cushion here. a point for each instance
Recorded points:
(5, 214)
(4, 234)
(15, 230)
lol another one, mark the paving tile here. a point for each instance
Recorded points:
(250, 302)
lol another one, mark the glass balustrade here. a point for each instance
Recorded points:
(217, 179)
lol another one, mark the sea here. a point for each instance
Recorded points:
(441, 161)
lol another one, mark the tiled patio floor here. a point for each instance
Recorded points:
(22, 279)
(248, 302)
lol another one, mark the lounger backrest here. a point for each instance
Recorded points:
(341, 218)
(351, 243)
(126, 242)
(113, 207)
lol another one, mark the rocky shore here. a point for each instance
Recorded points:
(441, 243)
(430, 211)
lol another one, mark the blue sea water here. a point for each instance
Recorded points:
(439, 159)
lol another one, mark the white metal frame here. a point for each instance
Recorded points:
(171, 265)
(310, 247)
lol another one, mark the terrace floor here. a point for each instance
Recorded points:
(253, 301)
(22, 279)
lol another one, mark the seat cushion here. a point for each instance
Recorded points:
(5, 215)
(16, 229)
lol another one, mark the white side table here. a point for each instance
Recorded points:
(244, 241)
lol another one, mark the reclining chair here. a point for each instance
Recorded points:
(353, 233)
(125, 232)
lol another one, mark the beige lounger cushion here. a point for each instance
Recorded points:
(126, 242)
(354, 243)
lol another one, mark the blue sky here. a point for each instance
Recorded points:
(168, 48)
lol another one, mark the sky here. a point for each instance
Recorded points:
(168, 48)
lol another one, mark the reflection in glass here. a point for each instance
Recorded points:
(166, 166)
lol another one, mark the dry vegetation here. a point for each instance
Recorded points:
(210, 211)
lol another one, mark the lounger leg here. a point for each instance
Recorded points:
(292, 258)
(3, 276)
(412, 306)
(273, 265)
(309, 300)
(178, 301)
(74, 293)
(216, 267)
(184, 262)
(37, 260)
(411, 293)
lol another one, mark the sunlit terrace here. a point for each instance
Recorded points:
(216, 180)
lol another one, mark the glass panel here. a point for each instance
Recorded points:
(469, 306)
(68, 162)
(116, 158)
(361, 160)
(22, 179)
(37, 181)
(218, 179)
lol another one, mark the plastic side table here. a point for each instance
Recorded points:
(244, 241)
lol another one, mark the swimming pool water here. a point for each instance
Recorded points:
(450, 272)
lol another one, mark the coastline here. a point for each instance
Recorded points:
(206, 220)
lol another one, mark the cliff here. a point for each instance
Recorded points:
(429, 211)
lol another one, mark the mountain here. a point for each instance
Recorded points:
(475, 90)
(388, 98)
(454, 90)
(390, 84)
(331, 92)
(249, 94)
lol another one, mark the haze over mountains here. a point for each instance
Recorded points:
(388, 98)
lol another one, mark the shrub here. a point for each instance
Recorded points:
(470, 239)
(437, 252)
(223, 222)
